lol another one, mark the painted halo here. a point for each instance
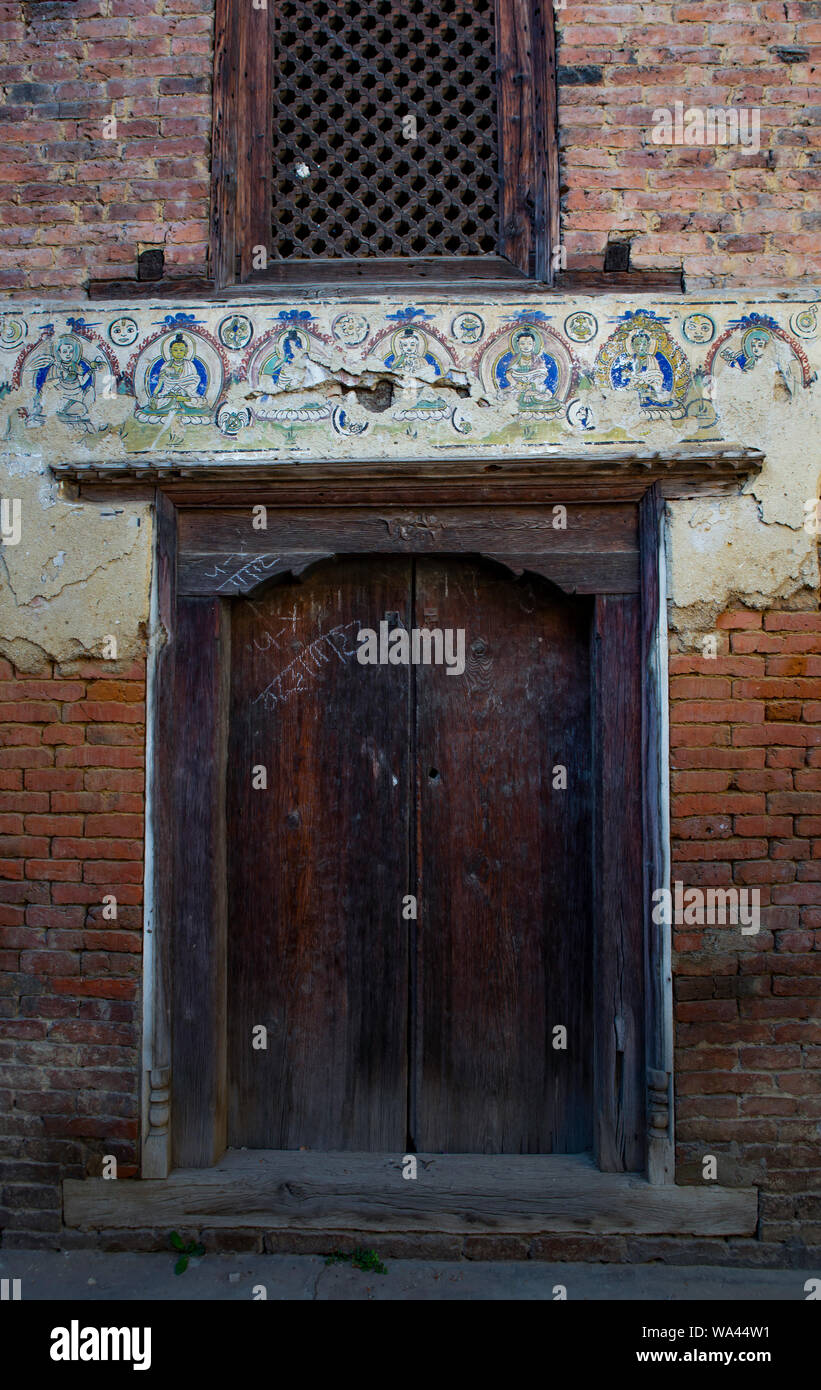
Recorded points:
(552, 353)
(154, 355)
(270, 354)
(612, 359)
(397, 348)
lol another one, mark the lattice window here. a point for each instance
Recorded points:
(347, 180)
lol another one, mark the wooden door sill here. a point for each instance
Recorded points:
(466, 1194)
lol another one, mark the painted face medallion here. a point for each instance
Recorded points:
(123, 331)
(698, 328)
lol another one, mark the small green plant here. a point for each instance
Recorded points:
(360, 1259)
(186, 1251)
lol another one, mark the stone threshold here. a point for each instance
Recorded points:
(462, 1194)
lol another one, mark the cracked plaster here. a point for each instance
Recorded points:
(81, 570)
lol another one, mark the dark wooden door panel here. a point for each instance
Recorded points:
(387, 780)
(503, 859)
(318, 864)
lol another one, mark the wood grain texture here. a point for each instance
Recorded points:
(601, 476)
(254, 132)
(156, 1154)
(613, 281)
(502, 864)
(589, 528)
(618, 886)
(596, 550)
(655, 759)
(471, 1194)
(201, 667)
(225, 573)
(393, 272)
(224, 189)
(519, 158)
(547, 201)
(318, 865)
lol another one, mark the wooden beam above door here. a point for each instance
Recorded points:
(604, 474)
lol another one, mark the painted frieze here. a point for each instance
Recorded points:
(386, 378)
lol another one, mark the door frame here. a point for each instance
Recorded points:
(184, 1015)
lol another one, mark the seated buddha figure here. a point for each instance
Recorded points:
(177, 388)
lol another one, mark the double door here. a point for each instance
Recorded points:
(409, 865)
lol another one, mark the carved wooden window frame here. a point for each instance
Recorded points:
(242, 160)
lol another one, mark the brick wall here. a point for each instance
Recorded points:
(727, 216)
(71, 831)
(746, 810)
(74, 205)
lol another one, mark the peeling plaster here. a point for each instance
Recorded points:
(82, 569)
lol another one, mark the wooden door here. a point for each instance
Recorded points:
(472, 793)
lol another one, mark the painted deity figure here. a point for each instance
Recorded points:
(292, 368)
(645, 369)
(754, 344)
(410, 356)
(528, 368)
(64, 384)
(761, 345)
(176, 389)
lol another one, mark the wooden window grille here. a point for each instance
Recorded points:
(370, 140)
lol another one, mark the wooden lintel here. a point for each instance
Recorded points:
(626, 473)
(620, 281)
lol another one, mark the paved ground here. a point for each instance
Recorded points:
(92, 1275)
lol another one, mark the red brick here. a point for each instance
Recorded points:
(100, 802)
(98, 758)
(112, 871)
(128, 827)
(83, 847)
(717, 711)
(104, 712)
(114, 781)
(56, 870)
(24, 845)
(53, 780)
(63, 733)
(54, 825)
(116, 690)
(792, 622)
(738, 620)
(29, 712)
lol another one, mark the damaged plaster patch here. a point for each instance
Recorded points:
(722, 555)
(75, 576)
(752, 550)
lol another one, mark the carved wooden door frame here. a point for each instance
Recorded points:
(486, 510)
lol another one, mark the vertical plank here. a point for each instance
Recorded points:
(202, 663)
(618, 876)
(227, 16)
(318, 949)
(254, 132)
(528, 152)
(546, 228)
(156, 1146)
(505, 948)
(655, 757)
